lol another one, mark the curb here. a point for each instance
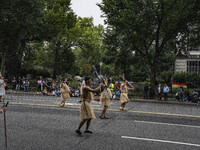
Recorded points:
(164, 102)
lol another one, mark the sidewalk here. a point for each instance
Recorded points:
(137, 99)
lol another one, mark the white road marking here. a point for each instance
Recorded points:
(163, 141)
(169, 124)
(75, 104)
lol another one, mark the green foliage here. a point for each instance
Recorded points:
(165, 77)
(74, 84)
(150, 29)
(46, 38)
(20, 22)
(146, 82)
(180, 77)
(192, 80)
(89, 49)
(36, 33)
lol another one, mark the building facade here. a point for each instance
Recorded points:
(190, 64)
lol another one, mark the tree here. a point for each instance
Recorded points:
(20, 22)
(25, 23)
(89, 48)
(147, 27)
(59, 21)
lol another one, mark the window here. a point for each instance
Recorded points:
(193, 66)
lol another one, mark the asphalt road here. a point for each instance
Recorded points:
(35, 122)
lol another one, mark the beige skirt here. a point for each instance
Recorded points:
(124, 98)
(86, 111)
(105, 102)
(64, 96)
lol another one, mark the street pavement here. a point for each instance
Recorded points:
(35, 122)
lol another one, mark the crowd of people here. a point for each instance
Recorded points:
(181, 95)
(50, 87)
(20, 84)
(46, 86)
(162, 92)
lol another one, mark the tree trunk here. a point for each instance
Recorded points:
(152, 82)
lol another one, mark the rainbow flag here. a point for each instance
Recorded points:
(175, 86)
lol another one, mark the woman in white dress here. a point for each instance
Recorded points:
(2, 87)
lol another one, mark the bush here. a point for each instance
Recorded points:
(73, 84)
(192, 79)
(138, 94)
(32, 89)
(146, 82)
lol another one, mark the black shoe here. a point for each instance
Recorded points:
(106, 118)
(100, 117)
(88, 131)
(78, 132)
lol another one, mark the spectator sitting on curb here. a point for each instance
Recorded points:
(77, 92)
(45, 92)
(176, 97)
(57, 92)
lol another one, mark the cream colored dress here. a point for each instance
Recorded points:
(124, 97)
(105, 99)
(65, 91)
(86, 110)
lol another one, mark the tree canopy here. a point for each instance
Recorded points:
(148, 28)
(141, 40)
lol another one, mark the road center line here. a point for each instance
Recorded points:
(162, 141)
(169, 124)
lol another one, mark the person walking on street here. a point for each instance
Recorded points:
(86, 110)
(159, 92)
(166, 91)
(105, 100)
(124, 94)
(65, 91)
